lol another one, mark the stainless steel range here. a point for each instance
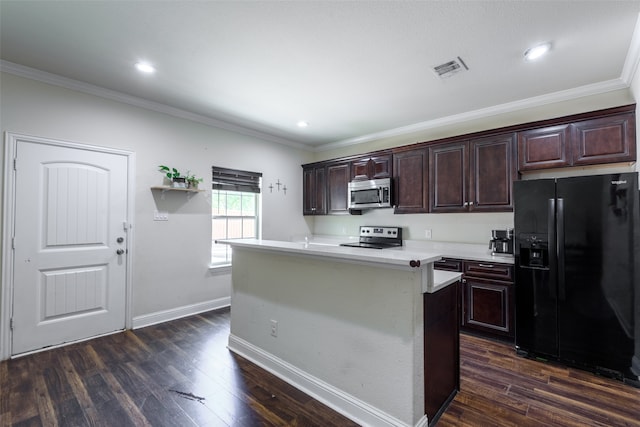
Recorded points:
(378, 237)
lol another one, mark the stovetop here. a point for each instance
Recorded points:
(373, 237)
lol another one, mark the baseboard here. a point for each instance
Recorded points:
(344, 403)
(179, 312)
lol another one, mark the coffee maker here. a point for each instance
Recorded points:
(501, 242)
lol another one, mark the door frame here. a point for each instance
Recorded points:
(11, 141)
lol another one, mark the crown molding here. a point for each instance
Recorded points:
(538, 101)
(629, 70)
(630, 67)
(67, 83)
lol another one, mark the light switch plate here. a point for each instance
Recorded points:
(160, 216)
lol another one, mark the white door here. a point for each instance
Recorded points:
(70, 262)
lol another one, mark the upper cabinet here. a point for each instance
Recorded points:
(492, 172)
(544, 148)
(371, 167)
(598, 140)
(605, 140)
(314, 190)
(411, 181)
(474, 172)
(475, 175)
(449, 176)
(337, 192)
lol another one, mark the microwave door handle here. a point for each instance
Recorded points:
(380, 194)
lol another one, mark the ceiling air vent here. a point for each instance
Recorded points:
(450, 68)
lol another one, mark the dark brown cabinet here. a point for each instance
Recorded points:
(371, 167)
(599, 140)
(314, 190)
(488, 298)
(544, 148)
(475, 175)
(441, 350)
(410, 181)
(492, 172)
(475, 172)
(604, 140)
(337, 189)
(449, 177)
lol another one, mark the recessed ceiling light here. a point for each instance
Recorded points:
(145, 67)
(303, 124)
(537, 51)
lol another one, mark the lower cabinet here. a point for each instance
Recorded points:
(487, 297)
(441, 350)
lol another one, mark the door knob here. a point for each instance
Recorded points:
(120, 251)
(120, 239)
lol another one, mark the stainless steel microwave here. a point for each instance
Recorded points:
(375, 193)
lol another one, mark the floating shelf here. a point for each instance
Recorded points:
(164, 188)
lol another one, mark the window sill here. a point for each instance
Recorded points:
(219, 268)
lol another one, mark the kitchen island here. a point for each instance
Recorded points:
(349, 326)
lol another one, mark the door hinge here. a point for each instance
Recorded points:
(11, 324)
(13, 242)
(15, 163)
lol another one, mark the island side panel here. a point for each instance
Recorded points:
(356, 327)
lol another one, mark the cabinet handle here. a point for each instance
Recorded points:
(486, 265)
(470, 203)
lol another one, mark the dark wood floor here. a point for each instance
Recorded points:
(180, 373)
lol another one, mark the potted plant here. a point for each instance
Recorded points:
(173, 174)
(193, 181)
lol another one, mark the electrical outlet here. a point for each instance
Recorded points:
(274, 328)
(427, 233)
(160, 216)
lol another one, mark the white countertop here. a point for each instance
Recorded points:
(468, 251)
(394, 257)
(398, 257)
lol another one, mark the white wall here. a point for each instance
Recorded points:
(170, 258)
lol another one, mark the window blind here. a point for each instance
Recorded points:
(235, 180)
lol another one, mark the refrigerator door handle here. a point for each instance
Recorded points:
(560, 248)
(552, 248)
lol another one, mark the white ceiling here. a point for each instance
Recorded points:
(352, 69)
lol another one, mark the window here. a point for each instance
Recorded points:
(235, 209)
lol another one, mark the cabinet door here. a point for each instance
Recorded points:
(492, 174)
(410, 181)
(605, 140)
(488, 306)
(314, 191)
(544, 148)
(381, 167)
(371, 168)
(337, 191)
(448, 173)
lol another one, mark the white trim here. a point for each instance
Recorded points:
(344, 403)
(56, 80)
(632, 60)
(623, 82)
(8, 225)
(509, 107)
(219, 269)
(177, 313)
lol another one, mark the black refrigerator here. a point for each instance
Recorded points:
(577, 284)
